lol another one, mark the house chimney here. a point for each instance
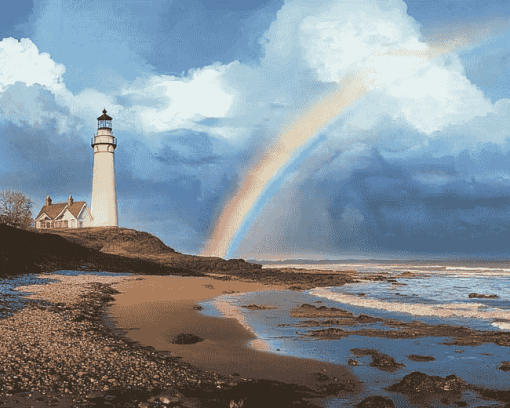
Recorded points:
(47, 201)
(70, 201)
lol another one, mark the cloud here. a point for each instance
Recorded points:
(334, 38)
(188, 148)
(163, 103)
(382, 208)
(20, 61)
(374, 65)
(413, 102)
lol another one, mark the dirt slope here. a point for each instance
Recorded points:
(33, 252)
(142, 245)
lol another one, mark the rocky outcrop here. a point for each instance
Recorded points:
(253, 306)
(420, 359)
(306, 310)
(376, 402)
(379, 360)
(417, 382)
(481, 296)
(505, 366)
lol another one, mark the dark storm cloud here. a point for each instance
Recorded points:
(179, 207)
(425, 206)
(188, 148)
(37, 155)
(402, 213)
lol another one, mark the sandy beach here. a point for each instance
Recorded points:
(155, 310)
(62, 349)
(103, 339)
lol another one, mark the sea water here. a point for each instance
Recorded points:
(476, 365)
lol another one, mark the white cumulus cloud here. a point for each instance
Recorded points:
(410, 82)
(21, 61)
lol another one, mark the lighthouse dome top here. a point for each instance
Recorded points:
(104, 121)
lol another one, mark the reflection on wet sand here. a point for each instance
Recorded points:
(232, 312)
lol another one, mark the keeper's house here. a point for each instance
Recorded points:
(73, 214)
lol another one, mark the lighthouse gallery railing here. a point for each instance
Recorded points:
(103, 140)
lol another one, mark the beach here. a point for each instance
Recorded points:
(224, 340)
(397, 337)
(62, 349)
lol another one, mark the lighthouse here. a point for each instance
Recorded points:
(104, 197)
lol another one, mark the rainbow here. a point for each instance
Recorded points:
(295, 135)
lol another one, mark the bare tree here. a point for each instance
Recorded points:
(15, 209)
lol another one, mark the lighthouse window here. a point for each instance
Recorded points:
(104, 124)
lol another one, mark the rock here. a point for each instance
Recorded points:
(480, 296)
(353, 362)
(376, 402)
(307, 310)
(330, 333)
(366, 318)
(187, 338)
(415, 357)
(253, 306)
(417, 382)
(307, 306)
(379, 360)
(505, 366)
(238, 404)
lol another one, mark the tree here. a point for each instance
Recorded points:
(15, 209)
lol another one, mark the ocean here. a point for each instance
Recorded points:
(433, 294)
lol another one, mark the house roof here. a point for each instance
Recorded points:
(74, 209)
(54, 210)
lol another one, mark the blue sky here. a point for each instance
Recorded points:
(420, 166)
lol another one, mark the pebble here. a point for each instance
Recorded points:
(65, 350)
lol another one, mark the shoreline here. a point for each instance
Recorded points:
(222, 361)
(83, 356)
(60, 350)
(225, 348)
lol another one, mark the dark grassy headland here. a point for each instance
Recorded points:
(60, 351)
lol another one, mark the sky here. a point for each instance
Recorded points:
(270, 129)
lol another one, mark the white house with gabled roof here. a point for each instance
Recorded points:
(73, 214)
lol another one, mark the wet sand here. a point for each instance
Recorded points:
(61, 350)
(155, 310)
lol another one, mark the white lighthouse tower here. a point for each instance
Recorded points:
(104, 197)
